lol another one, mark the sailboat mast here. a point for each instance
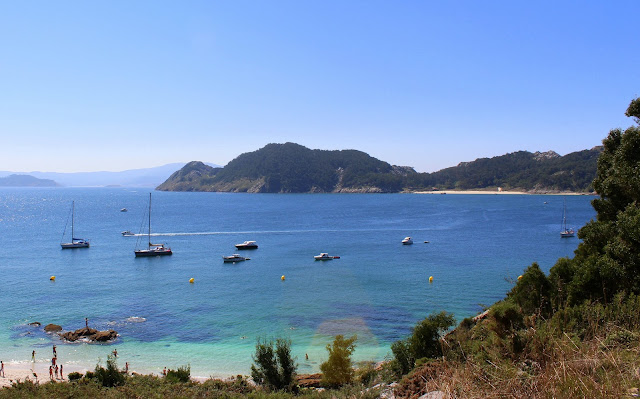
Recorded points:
(149, 230)
(73, 211)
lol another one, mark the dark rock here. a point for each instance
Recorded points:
(90, 334)
(52, 328)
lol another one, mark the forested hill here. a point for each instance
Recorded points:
(292, 168)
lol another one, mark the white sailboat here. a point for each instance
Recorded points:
(75, 242)
(152, 249)
(566, 232)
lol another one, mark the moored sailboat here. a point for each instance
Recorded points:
(152, 249)
(565, 231)
(75, 242)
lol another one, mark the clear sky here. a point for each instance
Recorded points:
(114, 85)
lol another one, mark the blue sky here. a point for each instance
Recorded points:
(114, 85)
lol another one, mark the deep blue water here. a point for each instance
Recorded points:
(378, 289)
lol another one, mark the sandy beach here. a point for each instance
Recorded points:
(23, 371)
(496, 192)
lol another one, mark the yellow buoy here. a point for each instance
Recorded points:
(52, 278)
(191, 280)
(431, 279)
(282, 278)
(519, 277)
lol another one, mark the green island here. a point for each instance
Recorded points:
(574, 333)
(292, 168)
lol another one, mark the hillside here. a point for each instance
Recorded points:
(292, 168)
(144, 177)
(26, 181)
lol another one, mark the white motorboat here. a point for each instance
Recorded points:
(407, 241)
(247, 245)
(325, 256)
(127, 233)
(75, 242)
(123, 210)
(233, 258)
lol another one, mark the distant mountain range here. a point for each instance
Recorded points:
(26, 181)
(292, 168)
(147, 177)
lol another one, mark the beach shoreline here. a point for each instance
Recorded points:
(15, 372)
(497, 192)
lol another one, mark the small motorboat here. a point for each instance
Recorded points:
(127, 233)
(233, 258)
(407, 241)
(247, 245)
(325, 256)
(123, 210)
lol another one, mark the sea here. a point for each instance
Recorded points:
(474, 247)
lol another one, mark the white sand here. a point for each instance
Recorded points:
(494, 192)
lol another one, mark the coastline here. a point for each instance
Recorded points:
(496, 192)
(21, 371)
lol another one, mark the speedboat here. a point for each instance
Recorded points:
(123, 210)
(127, 233)
(247, 245)
(233, 258)
(407, 241)
(325, 256)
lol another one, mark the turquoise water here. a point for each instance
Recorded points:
(378, 289)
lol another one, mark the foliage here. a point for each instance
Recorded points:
(338, 370)
(424, 341)
(74, 375)
(532, 292)
(273, 365)
(182, 374)
(110, 376)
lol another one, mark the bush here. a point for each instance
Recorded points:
(424, 342)
(73, 376)
(182, 374)
(337, 370)
(110, 376)
(274, 368)
(532, 292)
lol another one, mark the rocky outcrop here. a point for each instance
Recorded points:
(309, 380)
(52, 328)
(89, 334)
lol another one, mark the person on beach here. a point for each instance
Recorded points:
(55, 371)
(61, 377)
(115, 352)
(33, 356)
(54, 351)
(1, 369)
(126, 367)
(164, 372)
(86, 322)
(53, 361)
(51, 373)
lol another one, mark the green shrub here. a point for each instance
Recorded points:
(73, 376)
(366, 373)
(110, 376)
(89, 375)
(532, 292)
(182, 374)
(337, 370)
(273, 365)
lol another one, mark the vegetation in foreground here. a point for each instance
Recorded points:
(572, 334)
